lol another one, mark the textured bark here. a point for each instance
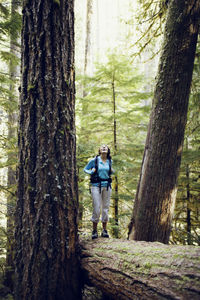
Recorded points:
(46, 225)
(140, 270)
(156, 193)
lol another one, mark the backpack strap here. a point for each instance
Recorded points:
(96, 172)
(109, 173)
(96, 164)
(94, 177)
(110, 169)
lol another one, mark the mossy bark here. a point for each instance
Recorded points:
(46, 226)
(141, 270)
(156, 192)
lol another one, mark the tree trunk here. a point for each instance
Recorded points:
(188, 218)
(46, 226)
(115, 230)
(156, 193)
(88, 37)
(140, 270)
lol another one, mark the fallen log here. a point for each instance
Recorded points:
(124, 269)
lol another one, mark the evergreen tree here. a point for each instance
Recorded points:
(86, 71)
(12, 134)
(117, 114)
(9, 31)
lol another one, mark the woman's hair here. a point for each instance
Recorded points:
(108, 154)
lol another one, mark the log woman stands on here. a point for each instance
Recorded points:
(100, 169)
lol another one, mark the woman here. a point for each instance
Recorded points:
(100, 170)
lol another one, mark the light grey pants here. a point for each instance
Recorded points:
(101, 202)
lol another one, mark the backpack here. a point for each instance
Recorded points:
(95, 177)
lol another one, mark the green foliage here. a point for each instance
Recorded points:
(9, 57)
(148, 21)
(10, 25)
(2, 248)
(57, 2)
(117, 79)
(95, 123)
(4, 11)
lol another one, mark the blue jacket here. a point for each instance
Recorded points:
(103, 170)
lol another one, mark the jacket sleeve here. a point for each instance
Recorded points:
(89, 166)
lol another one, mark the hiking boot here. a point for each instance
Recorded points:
(105, 233)
(94, 234)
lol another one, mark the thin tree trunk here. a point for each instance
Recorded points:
(81, 206)
(88, 36)
(188, 202)
(116, 196)
(46, 215)
(97, 29)
(156, 193)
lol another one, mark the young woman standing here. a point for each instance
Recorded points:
(100, 169)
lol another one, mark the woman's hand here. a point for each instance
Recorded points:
(93, 170)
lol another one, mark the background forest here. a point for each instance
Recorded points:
(114, 87)
(117, 50)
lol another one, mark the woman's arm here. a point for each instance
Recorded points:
(90, 167)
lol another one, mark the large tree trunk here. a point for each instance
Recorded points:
(156, 193)
(46, 225)
(140, 270)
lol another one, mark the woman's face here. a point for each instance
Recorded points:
(104, 149)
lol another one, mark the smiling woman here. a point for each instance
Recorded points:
(100, 169)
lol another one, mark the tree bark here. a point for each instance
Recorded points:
(140, 270)
(156, 193)
(46, 226)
